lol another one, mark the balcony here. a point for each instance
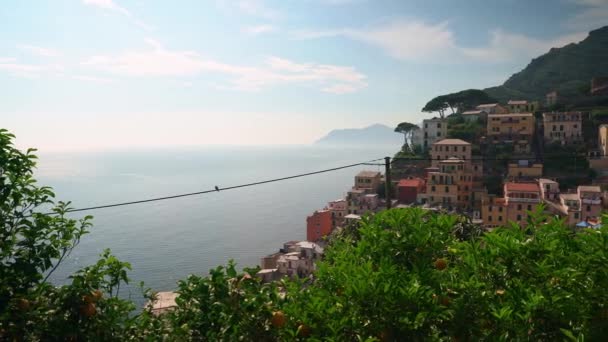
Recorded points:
(523, 200)
(591, 201)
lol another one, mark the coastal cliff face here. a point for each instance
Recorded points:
(373, 135)
(567, 70)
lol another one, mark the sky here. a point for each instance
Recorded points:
(113, 74)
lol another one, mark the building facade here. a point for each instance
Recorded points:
(432, 130)
(603, 140)
(338, 209)
(524, 170)
(492, 108)
(450, 148)
(408, 190)
(512, 128)
(522, 106)
(369, 181)
(318, 225)
(565, 128)
(451, 186)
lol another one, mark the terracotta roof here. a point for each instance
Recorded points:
(515, 115)
(368, 174)
(589, 188)
(516, 102)
(415, 182)
(473, 112)
(451, 142)
(487, 105)
(526, 187)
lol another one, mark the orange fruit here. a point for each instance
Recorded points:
(97, 294)
(441, 264)
(278, 319)
(88, 310)
(23, 304)
(303, 330)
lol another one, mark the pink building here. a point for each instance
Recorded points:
(318, 225)
(521, 198)
(339, 209)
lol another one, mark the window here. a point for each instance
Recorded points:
(438, 134)
(464, 148)
(529, 207)
(575, 126)
(500, 218)
(500, 209)
(490, 208)
(439, 125)
(447, 189)
(561, 128)
(433, 188)
(588, 208)
(554, 128)
(518, 217)
(426, 125)
(519, 207)
(489, 218)
(576, 215)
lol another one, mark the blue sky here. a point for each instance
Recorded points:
(96, 74)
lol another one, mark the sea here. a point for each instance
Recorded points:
(165, 241)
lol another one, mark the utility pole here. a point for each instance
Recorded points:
(387, 181)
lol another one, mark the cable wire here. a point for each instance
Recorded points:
(217, 189)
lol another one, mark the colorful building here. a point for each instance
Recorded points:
(512, 128)
(318, 225)
(565, 128)
(603, 140)
(524, 170)
(520, 199)
(450, 186)
(522, 106)
(369, 181)
(493, 211)
(338, 209)
(433, 130)
(450, 148)
(492, 108)
(408, 190)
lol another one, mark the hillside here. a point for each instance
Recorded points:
(568, 70)
(373, 135)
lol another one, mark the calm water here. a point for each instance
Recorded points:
(165, 241)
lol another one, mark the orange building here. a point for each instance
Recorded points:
(318, 225)
(521, 198)
(448, 148)
(450, 186)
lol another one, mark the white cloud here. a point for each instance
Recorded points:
(108, 5)
(161, 62)
(259, 29)
(504, 46)
(423, 42)
(92, 79)
(28, 70)
(406, 40)
(39, 51)
(257, 8)
(592, 15)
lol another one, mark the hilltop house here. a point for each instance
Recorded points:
(492, 108)
(522, 106)
(524, 170)
(563, 127)
(451, 185)
(431, 131)
(319, 225)
(518, 200)
(447, 148)
(512, 128)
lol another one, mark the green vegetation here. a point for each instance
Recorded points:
(404, 274)
(457, 102)
(568, 70)
(470, 131)
(407, 129)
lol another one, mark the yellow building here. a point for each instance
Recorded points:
(603, 139)
(524, 169)
(448, 148)
(512, 128)
(493, 211)
(563, 127)
(522, 106)
(449, 185)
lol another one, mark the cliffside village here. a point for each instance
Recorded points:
(452, 179)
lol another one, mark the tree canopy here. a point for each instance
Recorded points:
(457, 102)
(407, 129)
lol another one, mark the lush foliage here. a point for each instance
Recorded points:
(459, 101)
(404, 274)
